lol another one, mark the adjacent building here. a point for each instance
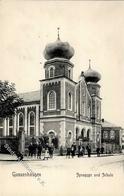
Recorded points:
(111, 137)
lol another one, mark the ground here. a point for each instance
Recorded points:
(96, 176)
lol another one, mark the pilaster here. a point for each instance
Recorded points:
(37, 120)
(25, 125)
(5, 128)
(15, 124)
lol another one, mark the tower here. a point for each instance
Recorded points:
(57, 101)
(92, 78)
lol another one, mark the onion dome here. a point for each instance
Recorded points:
(58, 49)
(92, 75)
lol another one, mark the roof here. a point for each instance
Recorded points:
(108, 124)
(30, 96)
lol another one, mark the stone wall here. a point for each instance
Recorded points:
(55, 125)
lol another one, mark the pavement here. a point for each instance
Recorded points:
(63, 176)
(8, 157)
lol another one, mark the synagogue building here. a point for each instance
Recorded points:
(62, 108)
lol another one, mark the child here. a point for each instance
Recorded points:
(46, 154)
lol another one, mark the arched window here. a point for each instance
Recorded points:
(51, 100)
(69, 101)
(1, 127)
(51, 71)
(11, 126)
(32, 123)
(21, 121)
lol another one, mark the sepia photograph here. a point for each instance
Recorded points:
(61, 98)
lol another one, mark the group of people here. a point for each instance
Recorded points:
(71, 150)
(81, 150)
(36, 150)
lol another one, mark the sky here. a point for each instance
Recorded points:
(95, 30)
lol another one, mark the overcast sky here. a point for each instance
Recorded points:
(95, 30)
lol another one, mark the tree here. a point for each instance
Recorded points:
(9, 100)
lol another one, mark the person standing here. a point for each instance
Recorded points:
(98, 151)
(51, 149)
(102, 150)
(61, 150)
(68, 148)
(30, 149)
(88, 150)
(68, 153)
(46, 154)
(79, 150)
(39, 150)
(73, 150)
(34, 150)
(83, 151)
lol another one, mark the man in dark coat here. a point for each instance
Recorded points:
(98, 152)
(34, 147)
(102, 150)
(83, 151)
(79, 150)
(68, 151)
(30, 149)
(73, 150)
(39, 150)
(88, 150)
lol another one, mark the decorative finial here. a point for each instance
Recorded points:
(89, 63)
(58, 33)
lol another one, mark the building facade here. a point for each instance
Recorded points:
(63, 108)
(122, 140)
(111, 137)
